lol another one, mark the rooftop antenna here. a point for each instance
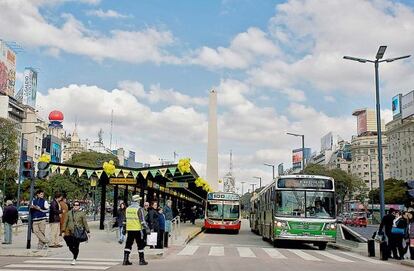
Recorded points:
(112, 124)
(175, 156)
(231, 162)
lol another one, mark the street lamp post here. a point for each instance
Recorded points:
(260, 181)
(273, 168)
(20, 167)
(253, 185)
(380, 55)
(303, 148)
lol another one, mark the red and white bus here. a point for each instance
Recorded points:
(222, 212)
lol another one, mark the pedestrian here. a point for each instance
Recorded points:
(134, 225)
(65, 209)
(146, 206)
(161, 229)
(120, 222)
(385, 228)
(193, 214)
(168, 224)
(76, 220)
(411, 234)
(398, 232)
(54, 220)
(9, 218)
(39, 208)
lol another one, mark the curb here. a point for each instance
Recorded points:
(25, 253)
(340, 247)
(408, 263)
(192, 235)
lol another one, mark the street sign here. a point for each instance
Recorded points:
(122, 181)
(177, 185)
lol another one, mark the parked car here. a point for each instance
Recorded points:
(23, 213)
(360, 219)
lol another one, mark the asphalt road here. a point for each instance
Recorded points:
(366, 232)
(220, 251)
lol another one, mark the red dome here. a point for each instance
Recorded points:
(56, 116)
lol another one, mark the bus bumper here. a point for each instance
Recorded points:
(221, 226)
(310, 238)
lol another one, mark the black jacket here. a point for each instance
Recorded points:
(54, 212)
(152, 222)
(386, 224)
(10, 215)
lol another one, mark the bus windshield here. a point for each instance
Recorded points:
(310, 204)
(221, 211)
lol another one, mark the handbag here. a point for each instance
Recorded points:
(152, 239)
(79, 233)
(397, 231)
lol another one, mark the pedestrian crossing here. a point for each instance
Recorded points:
(48, 264)
(275, 253)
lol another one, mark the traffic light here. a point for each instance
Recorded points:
(410, 189)
(28, 169)
(42, 170)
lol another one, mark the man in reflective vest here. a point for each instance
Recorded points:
(135, 226)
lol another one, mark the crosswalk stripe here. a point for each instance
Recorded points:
(81, 262)
(364, 258)
(304, 255)
(188, 251)
(274, 253)
(84, 259)
(245, 252)
(334, 257)
(216, 251)
(2, 269)
(57, 266)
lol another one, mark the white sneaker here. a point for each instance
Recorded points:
(73, 262)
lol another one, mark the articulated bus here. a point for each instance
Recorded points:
(298, 208)
(222, 212)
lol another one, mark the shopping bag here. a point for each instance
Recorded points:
(152, 239)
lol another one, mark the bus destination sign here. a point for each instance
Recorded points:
(305, 183)
(222, 196)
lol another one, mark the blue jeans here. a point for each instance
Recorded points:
(121, 236)
(7, 233)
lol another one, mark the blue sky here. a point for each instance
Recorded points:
(277, 67)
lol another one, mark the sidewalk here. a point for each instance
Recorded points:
(103, 244)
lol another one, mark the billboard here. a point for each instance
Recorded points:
(29, 87)
(362, 124)
(396, 106)
(297, 158)
(327, 142)
(407, 105)
(7, 69)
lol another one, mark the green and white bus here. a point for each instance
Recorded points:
(298, 208)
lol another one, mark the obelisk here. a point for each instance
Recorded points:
(212, 143)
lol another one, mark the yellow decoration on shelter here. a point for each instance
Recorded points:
(109, 168)
(184, 165)
(44, 158)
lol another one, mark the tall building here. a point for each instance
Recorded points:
(72, 146)
(367, 121)
(34, 129)
(340, 157)
(400, 133)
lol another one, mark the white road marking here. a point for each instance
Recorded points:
(334, 257)
(79, 262)
(84, 259)
(188, 251)
(367, 259)
(216, 251)
(57, 266)
(245, 252)
(304, 255)
(274, 253)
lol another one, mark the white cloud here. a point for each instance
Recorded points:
(243, 51)
(106, 14)
(329, 99)
(21, 17)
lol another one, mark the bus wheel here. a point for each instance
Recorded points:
(322, 246)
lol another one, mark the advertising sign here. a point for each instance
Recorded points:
(327, 142)
(407, 105)
(122, 181)
(177, 185)
(362, 125)
(396, 106)
(222, 196)
(305, 183)
(7, 69)
(297, 159)
(30, 87)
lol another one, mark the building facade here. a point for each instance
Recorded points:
(364, 164)
(72, 145)
(400, 135)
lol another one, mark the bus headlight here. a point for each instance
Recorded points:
(280, 224)
(235, 222)
(330, 226)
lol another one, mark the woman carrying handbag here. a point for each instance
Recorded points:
(75, 230)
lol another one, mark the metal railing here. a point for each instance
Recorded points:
(175, 228)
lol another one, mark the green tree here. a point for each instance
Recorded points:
(92, 159)
(394, 192)
(8, 157)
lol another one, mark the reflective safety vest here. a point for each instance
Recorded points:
(132, 220)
